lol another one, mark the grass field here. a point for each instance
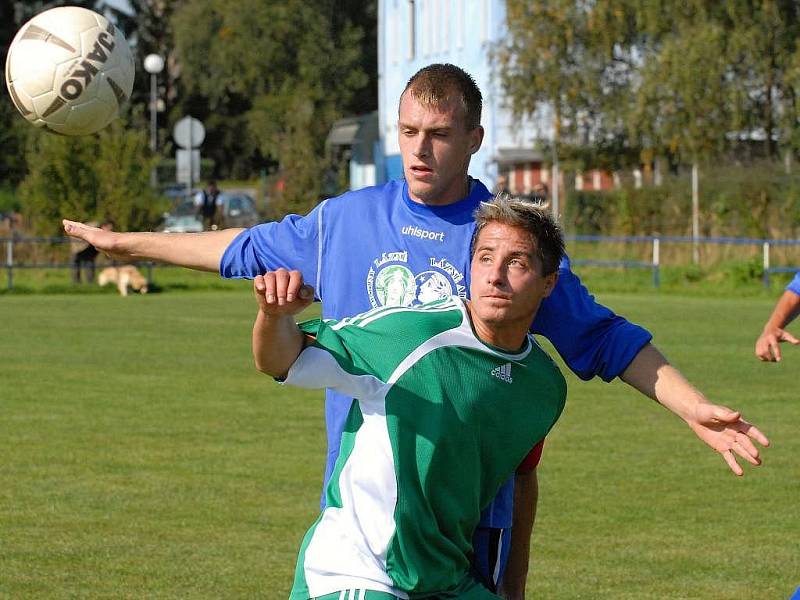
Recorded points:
(143, 457)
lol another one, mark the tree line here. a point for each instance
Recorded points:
(625, 83)
(267, 77)
(631, 80)
(665, 85)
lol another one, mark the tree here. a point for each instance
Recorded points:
(12, 127)
(270, 78)
(562, 57)
(761, 55)
(103, 176)
(693, 77)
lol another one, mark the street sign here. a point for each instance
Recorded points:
(187, 167)
(189, 132)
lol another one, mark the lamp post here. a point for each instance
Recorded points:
(153, 64)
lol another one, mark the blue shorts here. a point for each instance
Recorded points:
(491, 548)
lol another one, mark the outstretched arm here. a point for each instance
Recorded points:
(721, 428)
(277, 341)
(768, 343)
(201, 251)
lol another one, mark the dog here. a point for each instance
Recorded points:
(124, 277)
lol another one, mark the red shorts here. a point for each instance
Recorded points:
(532, 460)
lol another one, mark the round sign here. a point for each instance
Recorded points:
(189, 133)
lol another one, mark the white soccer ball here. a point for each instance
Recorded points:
(69, 70)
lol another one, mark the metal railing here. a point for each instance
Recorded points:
(654, 264)
(12, 264)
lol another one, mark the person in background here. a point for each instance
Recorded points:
(540, 192)
(501, 185)
(84, 256)
(209, 207)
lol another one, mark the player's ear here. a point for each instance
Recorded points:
(476, 139)
(550, 282)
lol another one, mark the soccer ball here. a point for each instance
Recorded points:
(69, 70)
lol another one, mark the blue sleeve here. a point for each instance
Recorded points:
(293, 243)
(794, 284)
(591, 339)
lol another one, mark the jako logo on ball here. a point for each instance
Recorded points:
(72, 88)
(69, 70)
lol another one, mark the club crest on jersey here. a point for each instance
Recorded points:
(390, 281)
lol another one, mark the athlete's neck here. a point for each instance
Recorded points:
(508, 335)
(452, 196)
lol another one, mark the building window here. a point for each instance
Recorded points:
(436, 40)
(485, 17)
(445, 25)
(393, 33)
(412, 29)
(427, 33)
(460, 8)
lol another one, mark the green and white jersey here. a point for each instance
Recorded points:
(441, 420)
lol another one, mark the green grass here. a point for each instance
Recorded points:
(143, 456)
(59, 281)
(740, 278)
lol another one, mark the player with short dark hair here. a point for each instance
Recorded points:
(435, 85)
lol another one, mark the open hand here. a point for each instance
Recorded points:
(768, 344)
(102, 239)
(726, 432)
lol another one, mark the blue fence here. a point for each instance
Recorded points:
(655, 241)
(654, 264)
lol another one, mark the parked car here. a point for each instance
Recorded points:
(238, 210)
(174, 191)
(183, 217)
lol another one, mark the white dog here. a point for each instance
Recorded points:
(124, 277)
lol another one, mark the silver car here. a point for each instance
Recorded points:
(238, 210)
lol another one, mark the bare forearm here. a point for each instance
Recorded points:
(277, 342)
(786, 310)
(651, 374)
(526, 498)
(200, 251)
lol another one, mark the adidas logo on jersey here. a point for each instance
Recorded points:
(503, 372)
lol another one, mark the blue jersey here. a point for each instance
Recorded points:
(377, 247)
(794, 284)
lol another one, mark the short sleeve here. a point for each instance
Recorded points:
(591, 339)
(338, 358)
(292, 243)
(794, 284)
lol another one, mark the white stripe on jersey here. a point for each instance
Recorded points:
(384, 311)
(320, 237)
(444, 307)
(316, 368)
